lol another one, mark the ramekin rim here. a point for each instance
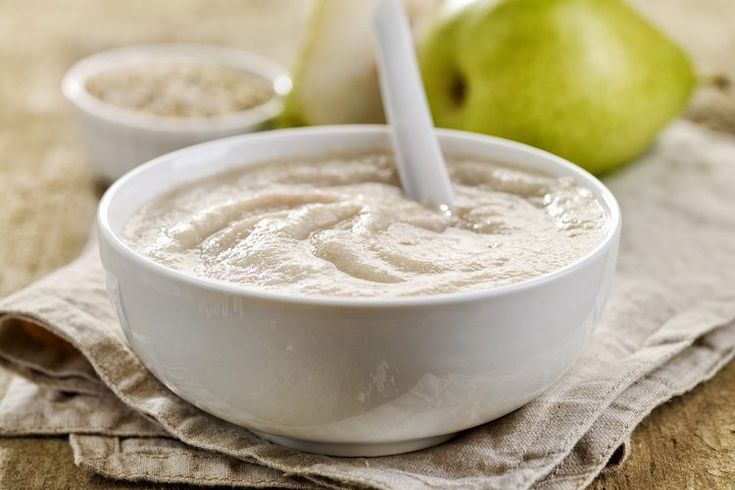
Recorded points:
(73, 86)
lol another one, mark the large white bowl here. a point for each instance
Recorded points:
(119, 139)
(348, 376)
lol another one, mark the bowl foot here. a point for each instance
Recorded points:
(355, 450)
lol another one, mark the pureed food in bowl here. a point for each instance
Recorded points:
(180, 89)
(353, 375)
(343, 227)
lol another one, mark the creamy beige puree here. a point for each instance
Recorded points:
(343, 227)
(180, 89)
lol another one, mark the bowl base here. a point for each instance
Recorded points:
(355, 450)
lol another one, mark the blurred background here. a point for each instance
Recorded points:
(48, 192)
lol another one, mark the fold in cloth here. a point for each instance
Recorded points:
(669, 324)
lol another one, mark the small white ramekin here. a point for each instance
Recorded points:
(350, 377)
(119, 139)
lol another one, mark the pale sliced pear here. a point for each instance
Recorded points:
(335, 79)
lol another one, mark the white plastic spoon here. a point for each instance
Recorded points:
(421, 166)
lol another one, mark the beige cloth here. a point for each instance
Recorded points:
(669, 325)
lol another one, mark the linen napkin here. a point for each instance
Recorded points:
(669, 325)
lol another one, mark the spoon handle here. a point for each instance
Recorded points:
(421, 167)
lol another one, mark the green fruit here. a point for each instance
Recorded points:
(589, 80)
(335, 80)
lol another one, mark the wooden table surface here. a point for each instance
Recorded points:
(48, 195)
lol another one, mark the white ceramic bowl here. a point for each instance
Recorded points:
(118, 139)
(348, 376)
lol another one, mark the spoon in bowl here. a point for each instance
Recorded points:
(421, 167)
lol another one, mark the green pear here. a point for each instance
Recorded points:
(335, 78)
(589, 80)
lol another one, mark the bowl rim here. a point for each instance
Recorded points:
(219, 286)
(73, 86)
